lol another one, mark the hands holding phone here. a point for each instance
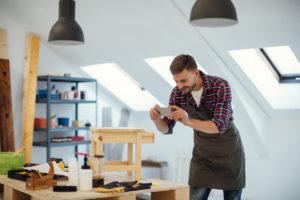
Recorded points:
(179, 115)
(154, 114)
(172, 112)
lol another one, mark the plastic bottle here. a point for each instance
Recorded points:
(73, 172)
(85, 177)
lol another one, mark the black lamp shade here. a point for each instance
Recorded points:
(213, 13)
(66, 31)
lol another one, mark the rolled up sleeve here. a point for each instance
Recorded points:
(223, 109)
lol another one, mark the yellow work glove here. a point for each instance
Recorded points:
(109, 191)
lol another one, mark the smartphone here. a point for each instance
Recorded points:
(165, 111)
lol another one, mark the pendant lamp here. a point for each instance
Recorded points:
(66, 31)
(213, 13)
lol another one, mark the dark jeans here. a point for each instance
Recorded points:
(203, 193)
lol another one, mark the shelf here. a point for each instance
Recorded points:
(59, 101)
(65, 79)
(48, 100)
(63, 129)
(57, 144)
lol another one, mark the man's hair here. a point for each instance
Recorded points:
(181, 63)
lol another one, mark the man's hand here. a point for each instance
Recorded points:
(154, 115)
(160, 124)
(179, 115)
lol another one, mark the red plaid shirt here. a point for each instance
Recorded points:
(216, 96)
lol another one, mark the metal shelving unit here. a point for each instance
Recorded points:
(48, 101)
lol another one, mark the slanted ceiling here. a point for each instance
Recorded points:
(128, 31)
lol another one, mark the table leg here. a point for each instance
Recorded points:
(99, 144)
(93, 144)
(177, 194)
(138, 157)
(12, 194)
(129, 156)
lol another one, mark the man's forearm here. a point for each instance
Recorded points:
(161, 125)
(208, 126)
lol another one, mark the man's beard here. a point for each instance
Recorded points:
(190, 88)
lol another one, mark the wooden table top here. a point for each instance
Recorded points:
(48, 194)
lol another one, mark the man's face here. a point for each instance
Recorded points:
(186, 80)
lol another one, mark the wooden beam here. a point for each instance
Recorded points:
(6, 113)
(29, 92)
(3, 44)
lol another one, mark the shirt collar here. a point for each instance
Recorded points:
(206, 84)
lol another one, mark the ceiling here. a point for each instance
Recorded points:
(128, 31)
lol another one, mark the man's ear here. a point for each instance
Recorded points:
(196, 72)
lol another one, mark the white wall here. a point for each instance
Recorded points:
(49, 61)
(271, 144)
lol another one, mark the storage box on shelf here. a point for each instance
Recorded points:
(46, 125)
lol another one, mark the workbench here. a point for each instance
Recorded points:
(122, 135)
(11, 189)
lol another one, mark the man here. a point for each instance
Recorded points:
(218, 157)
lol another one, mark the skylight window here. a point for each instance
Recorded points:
(284, 59)
(284, 62)
(122, 85)
(162, 66)
(255, 68)
(258, 69)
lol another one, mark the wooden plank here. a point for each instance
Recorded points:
(180, 191)
(129, 156)
(117, 130)
(122, 137)
(148, 138)
(3, 44)
(116, 163)
(93, 145)
(177, 194)
(116, 168)
(6, 112)
(127, 197)
(119, 137)
(138, 157)
(97, 141)
(29, 92)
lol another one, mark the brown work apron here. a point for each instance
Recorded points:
(218, 159)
